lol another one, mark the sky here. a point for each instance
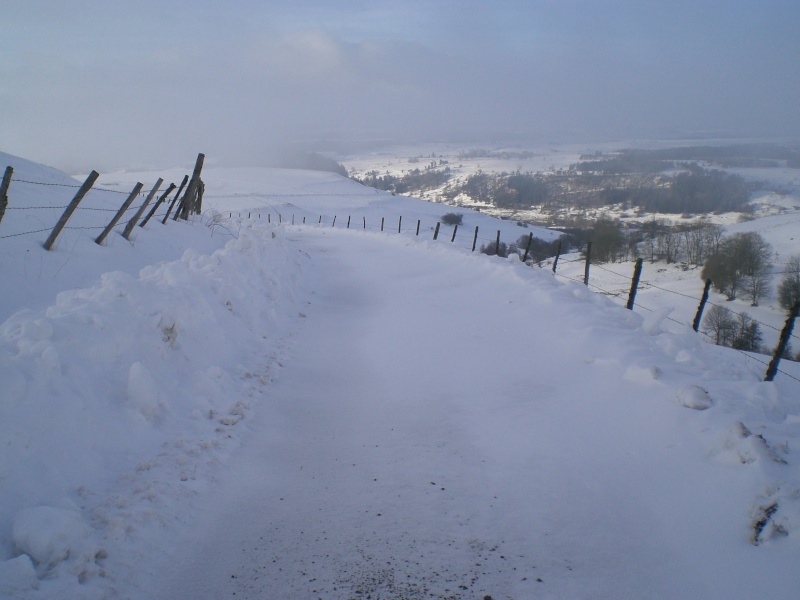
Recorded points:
(92, 84)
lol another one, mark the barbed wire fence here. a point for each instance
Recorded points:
(190, 202)
(491, 244)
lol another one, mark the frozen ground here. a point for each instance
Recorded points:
(279, 411)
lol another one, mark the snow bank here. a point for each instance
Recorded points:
(115, 379)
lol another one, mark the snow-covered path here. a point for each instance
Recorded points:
(411, 448)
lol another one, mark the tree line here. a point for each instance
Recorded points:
(414, 180)
(739, 265)
(693, 190)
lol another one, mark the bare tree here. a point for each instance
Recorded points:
(701, 240)
(789, 287)
(713, 237)
(741, 264)
(719, 324)
(756, 253)
(739, 331)
(669, 245)
(747, 334)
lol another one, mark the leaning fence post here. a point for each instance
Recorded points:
(175, 199)
(558, 253)
(453, 237)
(418, 222)
(348, 221)
(179, 208)
(588, 262)
(194, 183)
(382, 223)
(4, 191)
(436, 231)
(201, 189)
(783, 341)
(475, 238)
(497, 244)
(153, 210)
(528, 247)
(84, 189)
(126, 233)
(400, 224)
(637, 272)
(334, 221)
(137, 188)
(701, 307)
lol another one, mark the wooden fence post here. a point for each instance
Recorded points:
(497, 244)
(558, 253)
(528, 247)
(334, 221)
(348, 221)
(783, 341)
(4, 191)
(175, 199)
(400, 224)
(475, 238)
(136, 189)
(418, 222)
(436, 231)
(201, 189)
(190, 199)
(320, 220)
(158, 203)
(699, 315)
(84, 189)
(381, 223)
(453, 237)
(126, 233)
(588, 262)
(180, 207)
(365, 222)
(637, 273)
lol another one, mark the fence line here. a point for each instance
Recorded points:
(69, 185)
(192, 205)
(669, 318)
(469, 236)
(653, 285)
(92, 192)
(610, 294)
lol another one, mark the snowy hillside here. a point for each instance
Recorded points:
(242, 405)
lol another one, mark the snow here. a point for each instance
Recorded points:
(233, 405)
(694, 396)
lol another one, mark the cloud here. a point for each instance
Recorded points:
(240, 81)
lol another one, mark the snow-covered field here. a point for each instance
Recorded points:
(236, 405)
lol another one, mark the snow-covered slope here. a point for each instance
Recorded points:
(157, 412)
